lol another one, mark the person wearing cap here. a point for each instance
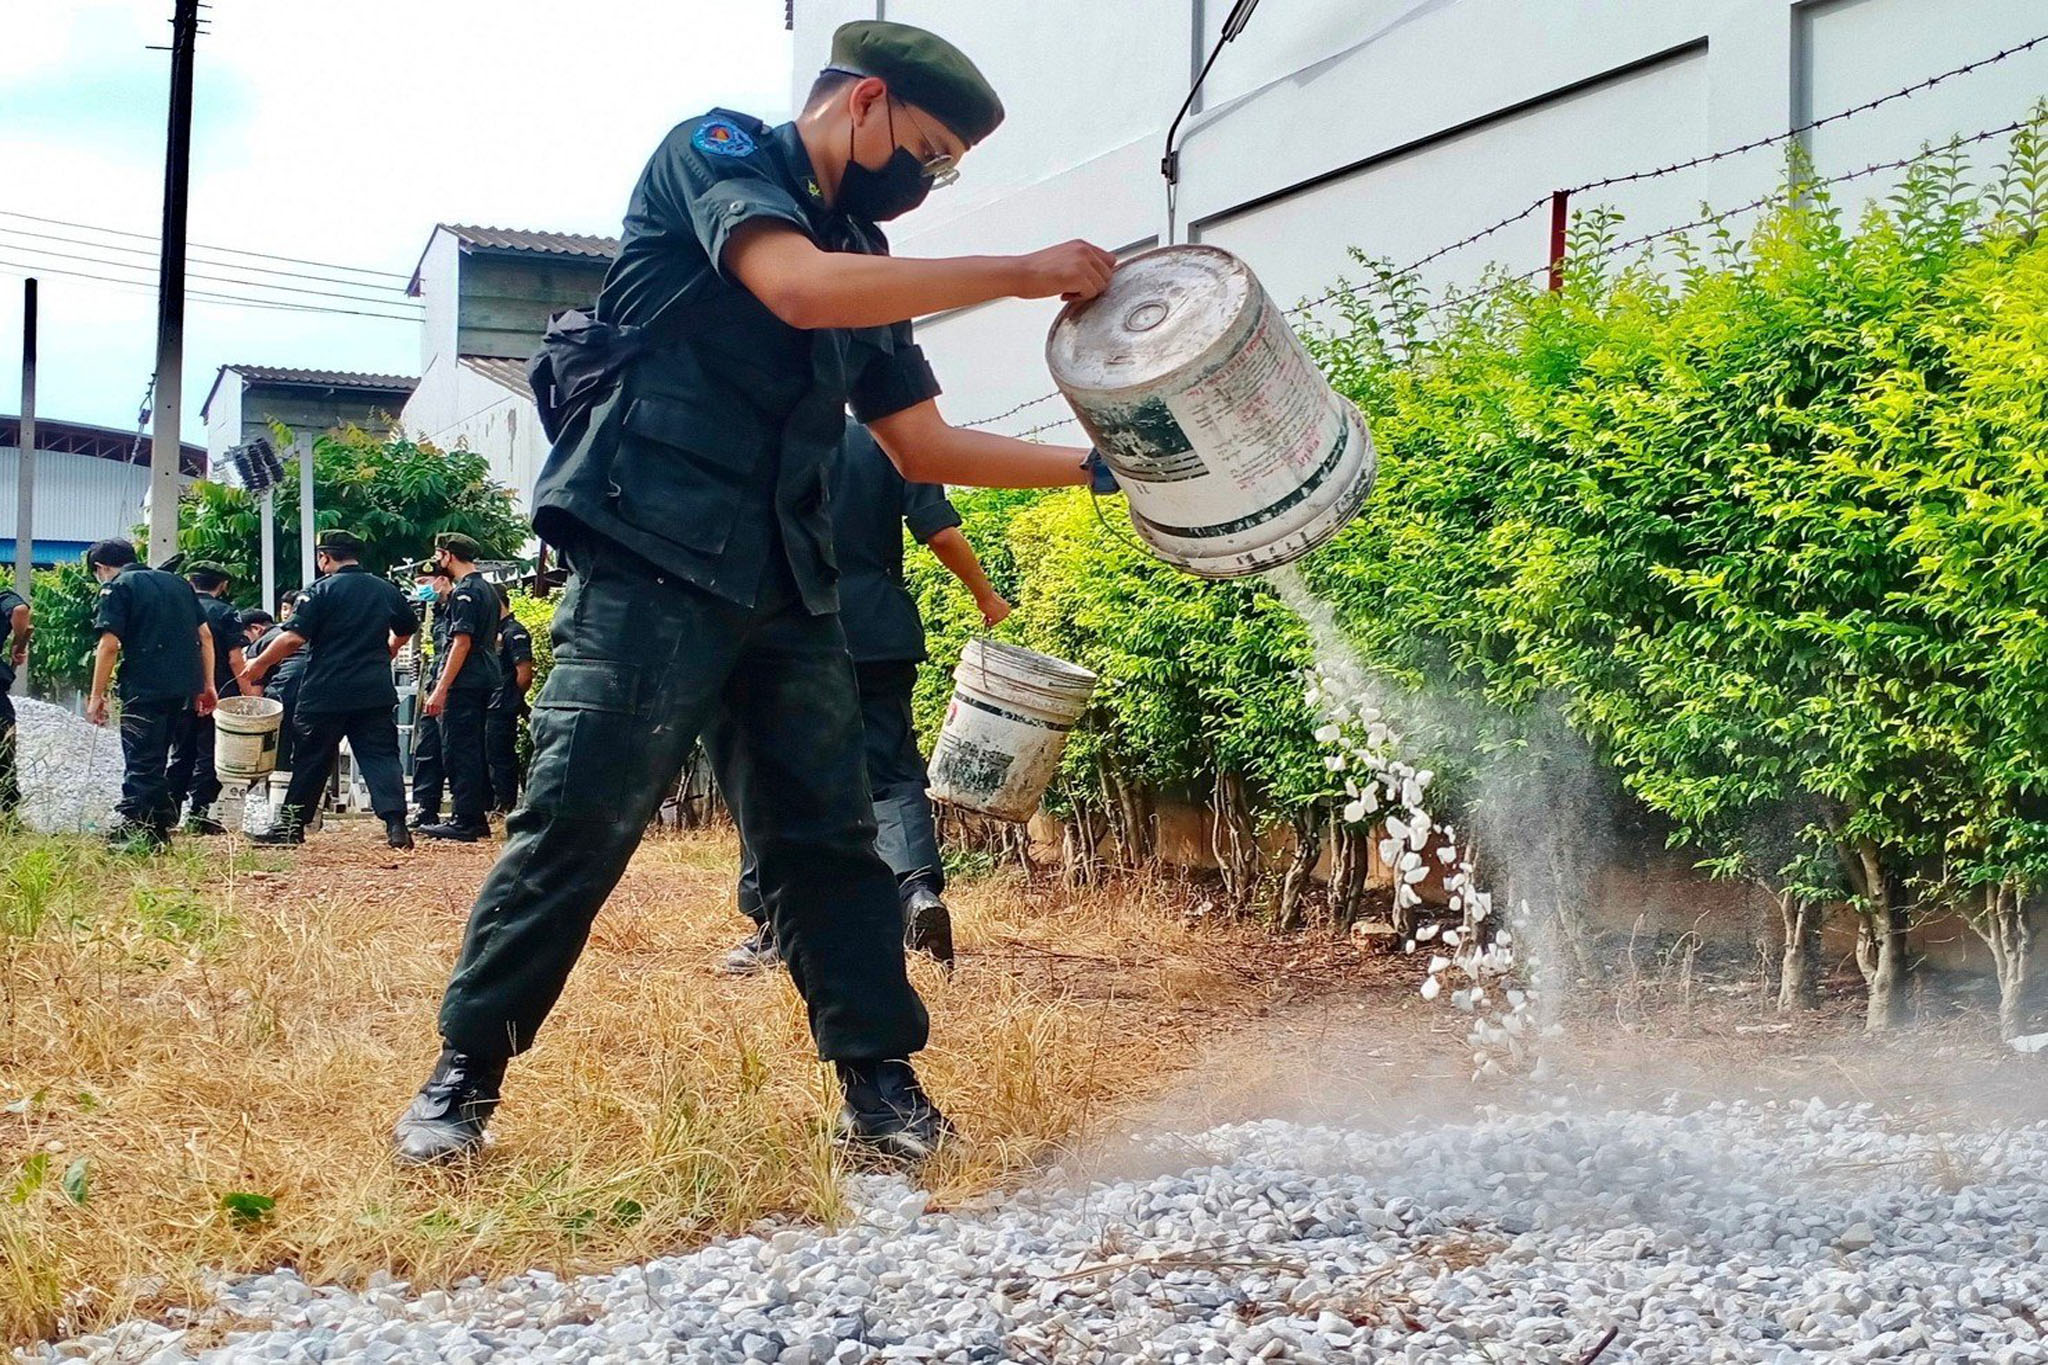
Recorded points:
(432, 584)
(872, 506)
(15, 630)
(191, 774)
(463, 687)
(150, 623)
(354, 622)
(508, 707)
(283, 682)
(694, 420)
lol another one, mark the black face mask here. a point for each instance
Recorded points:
(900, 186)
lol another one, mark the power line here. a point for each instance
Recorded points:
(218, 279)
(231, 250)
(151, 252)
(202, 296)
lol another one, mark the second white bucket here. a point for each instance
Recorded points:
(245, 737)
(1006, 728)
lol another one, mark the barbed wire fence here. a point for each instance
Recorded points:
(1607, 251)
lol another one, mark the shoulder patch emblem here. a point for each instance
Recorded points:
(722, 137)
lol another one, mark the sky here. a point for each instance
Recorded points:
(331, 131)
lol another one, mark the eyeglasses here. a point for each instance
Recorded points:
(941, 170)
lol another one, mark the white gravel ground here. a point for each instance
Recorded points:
(1737, 1232)
(70, 769)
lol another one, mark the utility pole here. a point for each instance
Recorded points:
(25, 486)
(166, 445)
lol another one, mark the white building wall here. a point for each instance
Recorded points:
(78, 497)
(1396, 126)
(224, 419)
(455, 407)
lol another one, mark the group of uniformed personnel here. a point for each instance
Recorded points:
(494, 674)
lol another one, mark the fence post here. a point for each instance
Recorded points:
(1560, 223)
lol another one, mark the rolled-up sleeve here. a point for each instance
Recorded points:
(893, 381)
(927, 511)
(686, 190)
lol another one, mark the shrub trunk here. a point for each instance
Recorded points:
(1799, 976)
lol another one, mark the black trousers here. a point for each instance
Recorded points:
(501, 754)
(146, 731)
(191, 776)
(372, 736)
(462, 757)
(643, 662)
(287, 694)
(906, 831)
(427, 774)
(10, 756)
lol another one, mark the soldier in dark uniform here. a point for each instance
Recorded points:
(463, 688)
(354, 622)
(429, 775)
(872, 505)
(191, 771)
(751, 300)
(150, 622)
(283, 683)
(508, 707)
(15, 629)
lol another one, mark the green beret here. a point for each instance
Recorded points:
(207, 569)
(339, 543)
(427, 568)
(925, 70)
(459, 545)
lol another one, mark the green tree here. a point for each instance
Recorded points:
(396, 493)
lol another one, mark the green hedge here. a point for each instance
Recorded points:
(1764, 531)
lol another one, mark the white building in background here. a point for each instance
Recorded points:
(248, 401)
(91, 483)
(1399, 126)
(488, 293)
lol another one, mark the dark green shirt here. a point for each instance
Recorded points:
(9, 601)
(156, 617)
(872, 504)
(347, 620)
(711, 457)
(225, 624)
(473, 611)
(515, 647)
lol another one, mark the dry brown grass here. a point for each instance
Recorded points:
(222, 1021)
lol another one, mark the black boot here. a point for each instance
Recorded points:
(396, 834)
(928, 925)
(887, 1112)
(445, 1121)
(461, 834)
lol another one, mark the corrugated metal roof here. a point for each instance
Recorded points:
(326, 379)
(101, 443)
(502, 371)
(520, 239)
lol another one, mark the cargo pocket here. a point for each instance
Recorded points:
(589, 740)
(678, 475)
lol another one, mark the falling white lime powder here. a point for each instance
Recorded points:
(1474, 960)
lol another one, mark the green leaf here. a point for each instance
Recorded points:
(74, 1181)
(246, 1209)
(34, 1172)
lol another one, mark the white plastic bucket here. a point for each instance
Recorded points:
(1235, 455)
(245, 737)
(1006, 728)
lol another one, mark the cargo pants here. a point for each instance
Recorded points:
(644, 662)
(907, 836)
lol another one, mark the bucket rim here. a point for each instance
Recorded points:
(1058, 671)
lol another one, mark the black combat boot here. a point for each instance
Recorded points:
(396, 834)
(461, 834)
(928, 925)
(445, 1121)
(887, 1112)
